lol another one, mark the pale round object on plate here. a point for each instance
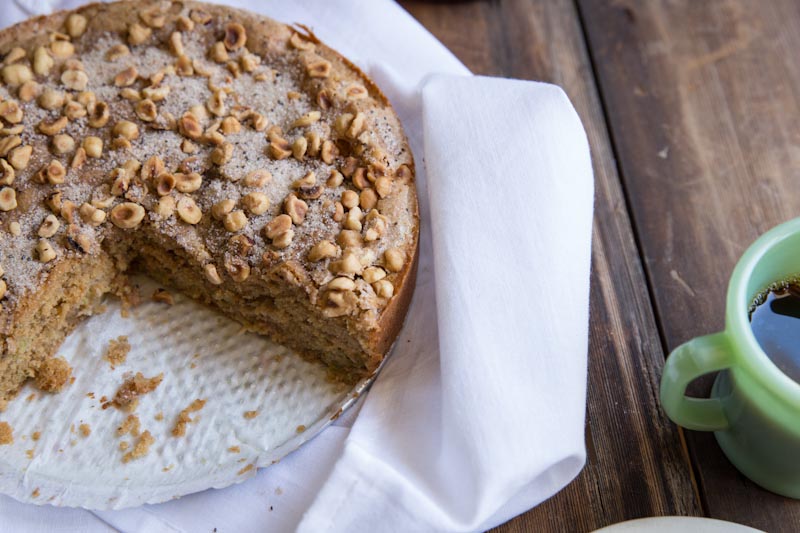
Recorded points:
(677, 524)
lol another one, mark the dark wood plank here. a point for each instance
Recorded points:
(636, 466)
(703, 100)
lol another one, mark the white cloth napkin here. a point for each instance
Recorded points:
(479, 413)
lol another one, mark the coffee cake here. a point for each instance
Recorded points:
(229, 156)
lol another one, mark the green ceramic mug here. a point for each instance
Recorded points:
(754, 409)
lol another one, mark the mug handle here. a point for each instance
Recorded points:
(689, 361)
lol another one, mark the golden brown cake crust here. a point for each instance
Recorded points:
(238, 159)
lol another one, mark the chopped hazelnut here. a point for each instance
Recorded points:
(348, 264)
(98, 115)
(75, 25)
(393, 259)
(165, 207)
(338, 212)
(16, 74)
(299, 148)
(62, 49)
(349, 199)
(283, 240)
(189, 127)
(357, 125)
(93, 146)
(222, 154)
(91, 215)
(3, 289)
(188, 210)
(49, 226)
(216, 103)
(295, 208)
(11, 111)
(359, 178)
(8, 199)
(55, 172)
(74, 79)
(63, 144)
(184, 66)
(53, 202)
(258, 121)
(20, 156)
(42, 62)
(45, 251)
(235, 36)
(322, 250)
(54, 127)
(230, 125)
(51, 99)
(188, 182)
(7, 173)
(126, 77)
(74, 110)
(373, 274)
(9, 143)
(79, 158)
(153, 17)
(341, 283)
(383, 288)
(235, 221)
(368, 199)
(13, 227)
(257, 178)
(221, 209)
(306, 120)
(165, 183)
(349, 239)
(218, 53)
(383, 186)
(280, 149)
(353, 219)
(126, 129)
(184, 23)
(249, 62)
(117, 51)
(176, 43)
(319, 69)
(277, 226)
(212, 275)
(257, 203)
(328, 152)
(127, 215)
(335, 179)
(356, 92)
(29, 90)
(137, 34)
(156, 94)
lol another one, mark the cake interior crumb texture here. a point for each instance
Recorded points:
(231, 157)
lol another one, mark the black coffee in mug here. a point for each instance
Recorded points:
(775, 320)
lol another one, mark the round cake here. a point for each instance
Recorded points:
(229, 156)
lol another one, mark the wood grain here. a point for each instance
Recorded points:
(703, 101)
(636, 466)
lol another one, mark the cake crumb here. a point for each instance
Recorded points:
(167, 468)
(29, 453)
(245, 469)
(123, 445)
(85, 430)
(36, 435)
(53, 374)
(31, 397)
(117, 351)
(234, 449)
(72, 428)
(141, 448)
(193, 366)
(249, 415)
(129, 425)
(35, 493)
(301, 428)
(128, 394)
(131, 297)
(183, 418)
(6, 434)
(163, 296)
(159, 416)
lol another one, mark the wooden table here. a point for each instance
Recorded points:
(693, 114)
